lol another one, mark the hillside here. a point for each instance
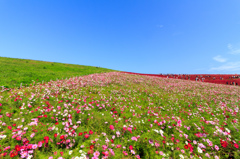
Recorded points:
(15, 71)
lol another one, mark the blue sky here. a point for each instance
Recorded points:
(144, 36)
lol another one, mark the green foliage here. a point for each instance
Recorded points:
(14, 72)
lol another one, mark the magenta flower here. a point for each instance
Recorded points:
(111, 127)
(40, 144)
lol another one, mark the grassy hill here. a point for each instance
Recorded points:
(15, 71)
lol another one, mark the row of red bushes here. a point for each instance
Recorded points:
(230, 79)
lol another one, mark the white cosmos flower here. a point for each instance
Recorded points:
(199, 150)
(227, 130)
(181, 156)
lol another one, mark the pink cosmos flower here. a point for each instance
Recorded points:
(96, 153)
(236, 145)
(179, 123)
(129, 129)
(112, 152)
(134, 138)
(216, 147)
(118, 133)
(34, 146)
(104, 147)
(207, 155)
(133, 152)
(32, 135)
(24, 154)
(130, 147)
(18, 138)
(191, 149)
(6, 148)
(40, 144)
(125, 153)
(86, 136)
(111, 127)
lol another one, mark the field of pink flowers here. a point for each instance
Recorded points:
(118, 115)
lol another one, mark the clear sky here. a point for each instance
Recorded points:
(144, 36)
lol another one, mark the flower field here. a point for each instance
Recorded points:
(118, 115)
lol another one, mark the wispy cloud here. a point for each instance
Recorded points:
(230, 66)
(160, 26)
(219, 58)
(233, 50)
(230, 47)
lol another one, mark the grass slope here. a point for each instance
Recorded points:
(15, 71)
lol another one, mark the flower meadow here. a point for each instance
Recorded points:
(118, 115)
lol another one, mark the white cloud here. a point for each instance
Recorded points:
(160, 26)
(230, 66)
(233, 50)
(230, 46)
(219, 58)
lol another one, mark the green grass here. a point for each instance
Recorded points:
(15, 71)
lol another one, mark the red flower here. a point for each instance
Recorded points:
(189, 145)
(9, 127)
(112, 140)
(91, 147)
(90, 132)
(46, 138)
(55, 135)
(12, 154)
(17, 148)
(61, 153)
(80, 134)
(62, 137)
(224, 144)
(56, 123)
(45, 116)
(186, 146)
(14, 125)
